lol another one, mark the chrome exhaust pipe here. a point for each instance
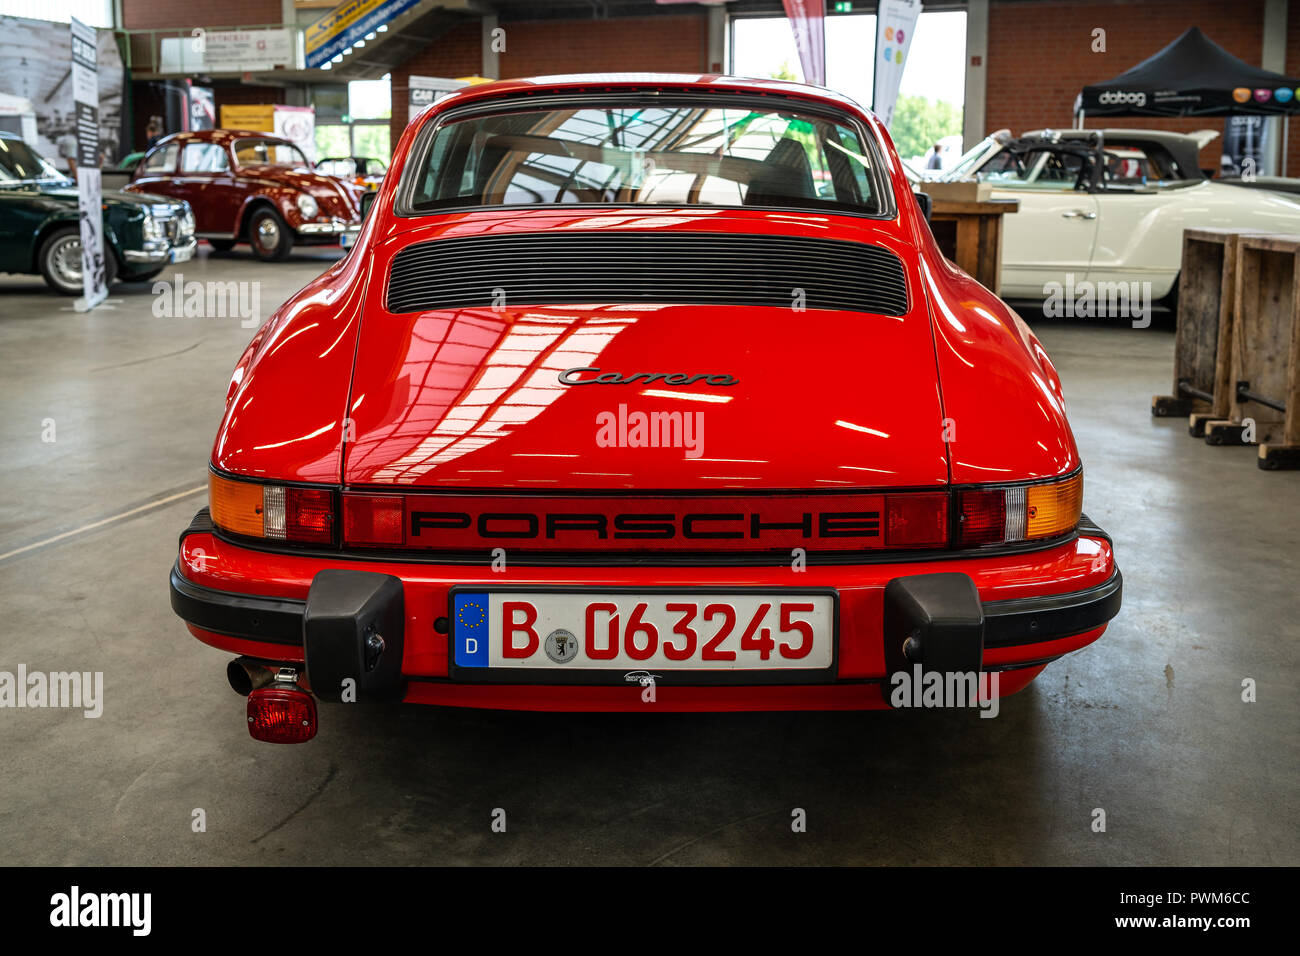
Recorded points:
(247, 675)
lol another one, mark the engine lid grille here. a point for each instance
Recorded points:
(660, 267)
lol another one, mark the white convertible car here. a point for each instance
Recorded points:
(1108, 205)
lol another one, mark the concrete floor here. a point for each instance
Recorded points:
(1147, 723)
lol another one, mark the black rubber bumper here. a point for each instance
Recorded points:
(1034, 620)
(352, 622)
(274, 620)
(351, 628)
(1008, 623)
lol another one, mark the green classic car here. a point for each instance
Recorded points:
(40, 234)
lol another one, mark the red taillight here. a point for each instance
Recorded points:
(373, 520)
(916, 521)
(982, 517)
(309, 515)
(281, 715)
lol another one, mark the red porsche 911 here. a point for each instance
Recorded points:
(642, 392)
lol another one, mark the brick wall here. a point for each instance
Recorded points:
(165, 14)
(457, 52)
(1040, 57)
(663, 44)
(672, 44)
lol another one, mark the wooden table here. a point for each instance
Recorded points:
(970, 234)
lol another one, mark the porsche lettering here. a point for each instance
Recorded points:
(645, 526)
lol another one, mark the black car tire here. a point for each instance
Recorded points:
(222, 245)
(1170, 301)
(269, 235)
(51, 260)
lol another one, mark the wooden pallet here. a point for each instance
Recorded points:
(1264, 405)
(1203, 346)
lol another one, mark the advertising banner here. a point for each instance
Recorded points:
(203, 107)
(1247, 147)
(895, 24)
(347, 23)
(85, 96)
(259, 118)
(227, 51)
(808, 21)
(35, 58)
(240, 51)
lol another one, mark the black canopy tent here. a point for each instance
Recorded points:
(1194, 76)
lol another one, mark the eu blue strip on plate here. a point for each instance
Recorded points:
(470, 628)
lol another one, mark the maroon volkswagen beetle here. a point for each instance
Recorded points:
(249, 187)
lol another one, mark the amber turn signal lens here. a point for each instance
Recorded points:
(994, 515)
(236, 506)
(1053, 509)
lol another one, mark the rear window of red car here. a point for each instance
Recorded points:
(660, 154)
(268, 152)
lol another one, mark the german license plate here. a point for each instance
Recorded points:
(626, 631)
(182, 254)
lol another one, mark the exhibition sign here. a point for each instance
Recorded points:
(85, 96)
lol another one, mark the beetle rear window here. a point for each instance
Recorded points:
(268, 152)
(655, 155)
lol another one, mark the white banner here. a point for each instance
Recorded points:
(227, 51)
(85, 95)
(240, 51)
(895, 24)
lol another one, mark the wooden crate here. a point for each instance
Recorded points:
(1203, 345)
(1265, 367)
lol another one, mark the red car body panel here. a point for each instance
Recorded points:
(291, 428)
(337, 390)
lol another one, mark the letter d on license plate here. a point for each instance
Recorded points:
(505, 632)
